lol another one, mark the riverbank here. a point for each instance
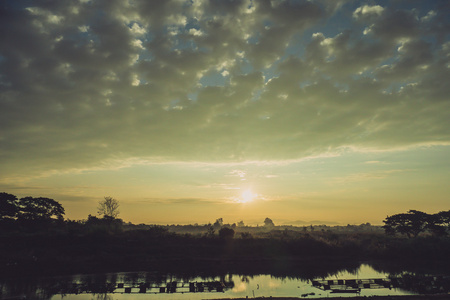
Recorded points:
(60, 253)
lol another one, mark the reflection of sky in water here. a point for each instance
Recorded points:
(258, 286)
(266, 285)
(364, 272)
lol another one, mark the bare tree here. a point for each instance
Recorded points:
(108, 207)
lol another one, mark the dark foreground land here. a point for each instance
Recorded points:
(146, 250)
(69, 249)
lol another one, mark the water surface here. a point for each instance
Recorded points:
(113, 285)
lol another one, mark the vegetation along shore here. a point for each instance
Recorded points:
(35, 238)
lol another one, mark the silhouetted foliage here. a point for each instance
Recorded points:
(107, 244)
(246, 235)
(109, 207)
(226, 233)
(218, 223)
(39, 209)
(103, 225)
(157, 231)
(8, 206)
(268, 222)
(415, 222)
(29, 212)
(439, 223)
(210, 232)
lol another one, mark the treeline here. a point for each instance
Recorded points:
(34, 214)
(34, 237)
(40, 212)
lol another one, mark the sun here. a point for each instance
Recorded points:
(248, 196)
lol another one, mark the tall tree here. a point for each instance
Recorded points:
(109, 207)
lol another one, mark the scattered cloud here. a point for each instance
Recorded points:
(87, 83)
(368, 11)
(368, 176)
(170, 201)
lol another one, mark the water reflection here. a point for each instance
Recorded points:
(363, 280)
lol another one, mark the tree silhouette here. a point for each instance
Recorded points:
(39, 209)
(268, 222)
(210, 232)
(8, 206)
(226, 233)
(109, 207)
(414, 222)
(218, 223)
(411, 223)
(439, 223)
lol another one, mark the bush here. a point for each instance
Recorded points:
(226, 233)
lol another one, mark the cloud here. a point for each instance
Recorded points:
(83, 83)
(367, 11)
(368, 176)
(237, 173)
(170, 201)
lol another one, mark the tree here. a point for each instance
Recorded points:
(210, 232)
(268, 222)
(105, 225)
(8, 206)
(240, 224)
(109, 208)
(439, 223)
(411, 223)
(226, 233)
(218, 223)
(39, 209)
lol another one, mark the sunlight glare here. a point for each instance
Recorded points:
(248, 196)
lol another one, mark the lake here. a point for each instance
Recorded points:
(363, 280)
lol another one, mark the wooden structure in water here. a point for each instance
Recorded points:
(420, 284)
(351, 285)
(173, 287)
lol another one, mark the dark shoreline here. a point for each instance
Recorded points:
(143, 250)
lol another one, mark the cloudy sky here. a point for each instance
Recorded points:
(187, 111)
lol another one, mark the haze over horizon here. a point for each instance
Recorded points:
(189, 111)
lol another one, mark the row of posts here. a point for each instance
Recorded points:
(171, 287)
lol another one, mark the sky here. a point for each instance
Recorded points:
(324, 112)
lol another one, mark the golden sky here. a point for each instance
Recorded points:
(329, 112)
